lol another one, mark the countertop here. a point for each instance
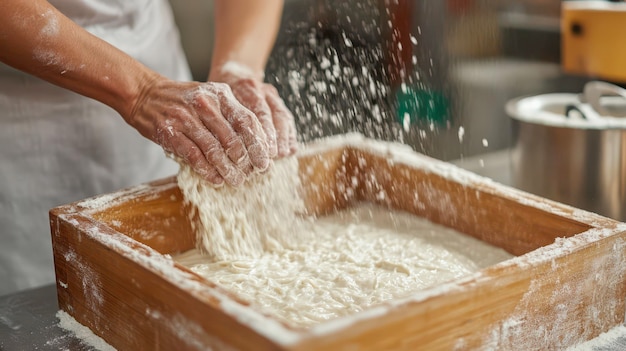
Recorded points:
(28, 322)
(28, 318)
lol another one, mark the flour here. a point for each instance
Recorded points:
(241, 71)
(303, 271)
(83, 333)
(614, 339)
(242, 222)
(352, 260)
(51, 28)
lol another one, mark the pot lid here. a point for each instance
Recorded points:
(600, 106)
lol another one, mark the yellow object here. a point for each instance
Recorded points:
(593, 33)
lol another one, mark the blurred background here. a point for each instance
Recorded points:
(432, 74)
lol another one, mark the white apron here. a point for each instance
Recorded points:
(57, 147)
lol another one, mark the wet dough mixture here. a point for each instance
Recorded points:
(345, 263)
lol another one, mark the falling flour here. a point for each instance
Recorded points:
(350, 260)
(241, 222)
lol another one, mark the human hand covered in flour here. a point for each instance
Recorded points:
(204, 125)
(263, 100)
(225, 131)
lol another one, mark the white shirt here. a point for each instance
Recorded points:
(57, 147)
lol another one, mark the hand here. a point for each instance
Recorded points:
(263, 100)
(284, 123)
(205, 125)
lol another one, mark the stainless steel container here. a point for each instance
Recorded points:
(567, 151)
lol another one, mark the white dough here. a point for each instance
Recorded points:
(347, 262)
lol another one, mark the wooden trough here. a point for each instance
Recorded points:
(566, 285)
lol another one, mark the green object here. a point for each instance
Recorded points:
(421, 105)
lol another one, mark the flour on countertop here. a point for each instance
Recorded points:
(82, 332)
(351, 260)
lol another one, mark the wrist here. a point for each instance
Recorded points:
(231, 71)
(137, 95)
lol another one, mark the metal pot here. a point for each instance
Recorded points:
(571, 148)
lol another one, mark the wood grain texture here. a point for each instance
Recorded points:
(133, 307)
(109, 259)
(155, 218)
(481, 213)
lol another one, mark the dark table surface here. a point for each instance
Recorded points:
(28, 322)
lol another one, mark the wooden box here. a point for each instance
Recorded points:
(566, 285)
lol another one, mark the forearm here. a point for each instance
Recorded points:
(39, 40)
(200, 123)
(245, 31)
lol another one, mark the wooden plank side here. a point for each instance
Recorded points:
(158, 217)
(548, 306)
(326, 186)
(155, 217)
(132, 307)
(502, 222)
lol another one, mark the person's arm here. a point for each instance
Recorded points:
(201, 123)
(37, 39)
(245, 31)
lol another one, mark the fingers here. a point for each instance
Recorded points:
(250, 94)
(207, 157)
(224, 133)
(283, 121)
(245, 124)
(191, 154)
(205, 140)
(216, 156)
(205, 125)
